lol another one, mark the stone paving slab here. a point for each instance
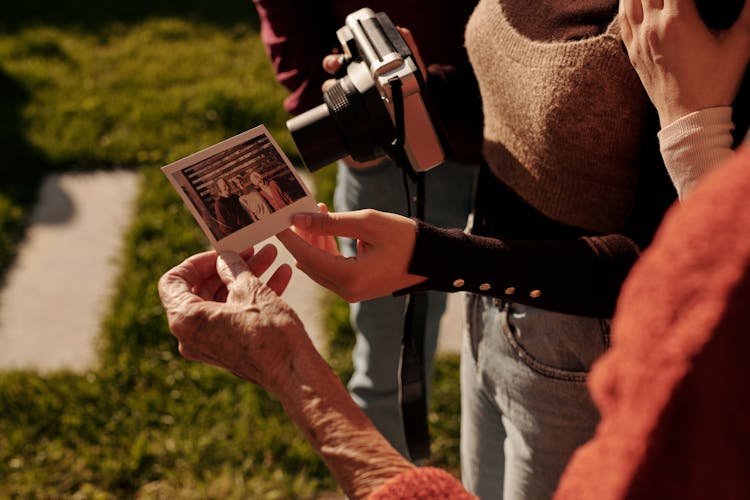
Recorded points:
(59, 286)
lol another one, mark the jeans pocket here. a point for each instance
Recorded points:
(475, 322)
(556, 345)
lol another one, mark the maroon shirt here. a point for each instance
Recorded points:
(299, 33)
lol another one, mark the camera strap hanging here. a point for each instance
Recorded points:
(412, 380)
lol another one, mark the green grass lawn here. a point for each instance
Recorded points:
(88, 86)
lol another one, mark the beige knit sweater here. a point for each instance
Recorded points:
(562, 120)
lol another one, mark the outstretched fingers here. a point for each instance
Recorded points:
(360, 224)
(321, 266)
(240, 275)
(261, 261)
(324, 242)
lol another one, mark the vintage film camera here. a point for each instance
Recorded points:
(378, 108)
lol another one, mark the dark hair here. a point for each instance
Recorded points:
(721, 14)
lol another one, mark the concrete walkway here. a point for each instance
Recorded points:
(59, 286)
(58, 289)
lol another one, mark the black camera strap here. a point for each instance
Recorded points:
(412, 379)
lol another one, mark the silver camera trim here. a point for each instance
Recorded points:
(422, 143)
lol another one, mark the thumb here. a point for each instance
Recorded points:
(230, 267)
(333, 62)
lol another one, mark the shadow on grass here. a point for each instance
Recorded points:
(93, 16)
(21, 168)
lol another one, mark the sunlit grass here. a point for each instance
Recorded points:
(145, 422)
(146, 94)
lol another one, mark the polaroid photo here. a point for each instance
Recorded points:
(241, 191)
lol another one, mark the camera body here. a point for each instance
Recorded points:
(378, 107)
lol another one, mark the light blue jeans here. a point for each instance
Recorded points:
(525, 406)
(378, 323)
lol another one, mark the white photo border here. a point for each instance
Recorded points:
(228, 160)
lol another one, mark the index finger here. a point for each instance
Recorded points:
(360, 224)
(332, 63)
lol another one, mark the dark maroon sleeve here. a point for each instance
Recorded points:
(578, 276)
(454, 92)
(297, 35)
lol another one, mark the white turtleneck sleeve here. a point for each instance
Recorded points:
(695, 145)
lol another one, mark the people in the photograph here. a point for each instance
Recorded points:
(270, 190)
(235, 184)
(255, 204)
(230, 213)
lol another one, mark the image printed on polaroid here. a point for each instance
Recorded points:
(241, 190)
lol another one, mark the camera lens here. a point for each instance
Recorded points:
(317, 138)
(352, 121)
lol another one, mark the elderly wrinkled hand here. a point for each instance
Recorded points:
(385, 243)
(683, 65)
(222, 314)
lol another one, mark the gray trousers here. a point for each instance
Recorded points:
(525, 406)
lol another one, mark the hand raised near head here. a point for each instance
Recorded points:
(683, 65)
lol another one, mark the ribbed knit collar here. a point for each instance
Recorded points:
(563, 120)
